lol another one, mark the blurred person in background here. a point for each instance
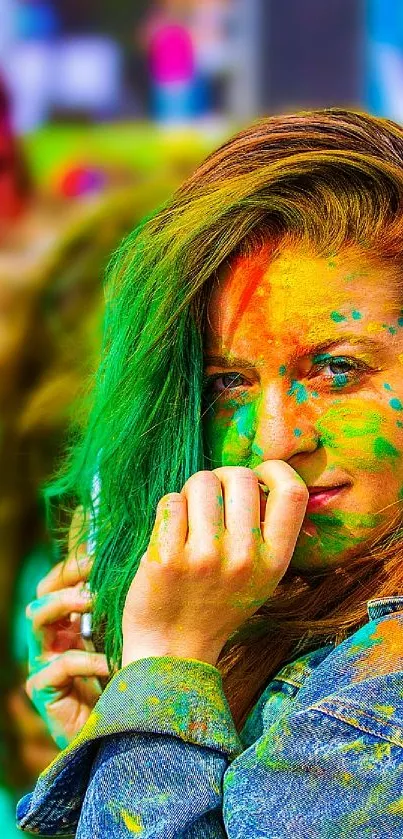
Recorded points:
(166, 37)
(189, 57)
(15, 183)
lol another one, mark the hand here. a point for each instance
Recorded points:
(211, 561)
(63, 677)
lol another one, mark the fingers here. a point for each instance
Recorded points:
(205, 510)
(285, 509)
(170, 528)
(58, 605)
(65, 574)
(227, 502)
(241, 499)
(60, 671)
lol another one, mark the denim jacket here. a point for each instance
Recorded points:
(320, 755)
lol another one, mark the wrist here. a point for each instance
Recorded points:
(135, 649)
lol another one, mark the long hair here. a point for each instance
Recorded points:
(328, 178)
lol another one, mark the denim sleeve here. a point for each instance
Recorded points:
(149, 761)
(333, 765)
(156, 787)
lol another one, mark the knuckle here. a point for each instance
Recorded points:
(29, 610)
(170, 563)
(43, 584)
(238, 574)
(161, 558)
(204, 478)
(241, 561)
(296, 492)
(67, 661)
(239, 472)
(243, 473)
(30, 686)
(170, 498)
(204, 559)
(93, 661)
(41, 588)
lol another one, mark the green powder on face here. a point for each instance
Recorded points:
(382, 448)
(388, 386)
(337, 317)
(257, 450)
(341, 422)
(282, 370)
(391, 329)
(348, 520)
(340, 380)
(396, 404)
(229, 435)
(297, 432)
(356, 315)
(335, 531)
(244, 420)
(334, 536)
(299, 391)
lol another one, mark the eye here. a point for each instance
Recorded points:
(342, 371)
(220, 383)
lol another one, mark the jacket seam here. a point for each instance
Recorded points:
(291, 682)
(387, 738)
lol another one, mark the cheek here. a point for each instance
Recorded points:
(229, 433)
(364, 433)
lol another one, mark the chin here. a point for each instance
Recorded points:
(311, 555)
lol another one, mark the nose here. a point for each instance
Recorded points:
(285, 423)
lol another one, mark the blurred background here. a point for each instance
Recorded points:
(104, 109)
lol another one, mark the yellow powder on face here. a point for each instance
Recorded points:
(133, 823)
(373, 327)
(122, 686)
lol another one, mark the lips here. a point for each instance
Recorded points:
(322, 496)
(319, 496)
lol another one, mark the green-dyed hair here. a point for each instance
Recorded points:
(327, 177)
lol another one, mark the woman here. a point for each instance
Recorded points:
(248, 565)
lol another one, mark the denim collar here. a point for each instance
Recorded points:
(382, 606)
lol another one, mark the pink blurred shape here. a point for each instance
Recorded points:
(171, 54)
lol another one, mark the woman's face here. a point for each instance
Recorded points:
(304, 363)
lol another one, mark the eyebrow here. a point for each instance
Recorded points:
(230, 361)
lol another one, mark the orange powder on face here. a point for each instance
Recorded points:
(250, 270)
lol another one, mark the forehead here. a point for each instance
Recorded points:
(299, 297)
